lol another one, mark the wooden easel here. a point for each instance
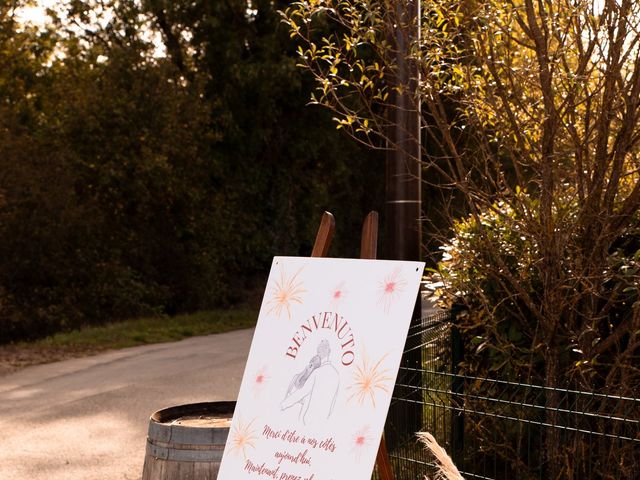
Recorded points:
(368, 250)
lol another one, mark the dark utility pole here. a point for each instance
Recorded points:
(403, 205)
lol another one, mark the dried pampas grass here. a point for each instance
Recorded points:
(446, 470)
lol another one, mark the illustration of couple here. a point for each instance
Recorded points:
(315, 388)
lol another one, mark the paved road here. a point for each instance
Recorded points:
(86, 419)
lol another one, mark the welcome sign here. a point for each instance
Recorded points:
(321, 369)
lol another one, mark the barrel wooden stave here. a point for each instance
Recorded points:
(177, 452)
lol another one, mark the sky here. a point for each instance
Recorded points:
(36, 14)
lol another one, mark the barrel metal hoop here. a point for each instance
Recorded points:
(214, 454)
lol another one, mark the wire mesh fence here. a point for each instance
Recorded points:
(496, 429)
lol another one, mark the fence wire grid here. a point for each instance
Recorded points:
(501, 430)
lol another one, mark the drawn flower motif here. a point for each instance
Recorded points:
(242, 436)
(389, 289)
(369, 379)
(361, 442)
(260, 379)
(287, 290)
(338, 294)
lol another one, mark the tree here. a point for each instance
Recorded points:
(155, 156)
(531, 121)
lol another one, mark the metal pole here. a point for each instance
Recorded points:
(403, 198)
(457, 390)
(403, 178)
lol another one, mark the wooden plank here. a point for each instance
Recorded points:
(383, 463)
(184, 471)
(205, 471)
(148, 468)
(153, 468)
(369, 240)
(325, 234)
(369, 250)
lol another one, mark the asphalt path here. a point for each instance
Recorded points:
(87, 418)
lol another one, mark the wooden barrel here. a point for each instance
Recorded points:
(182, 444)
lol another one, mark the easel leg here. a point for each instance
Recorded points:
(368, 250)
(383, 463)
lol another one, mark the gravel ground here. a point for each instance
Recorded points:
(86, 418)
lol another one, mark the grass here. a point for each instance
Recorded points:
(128, 333)
(140, 331)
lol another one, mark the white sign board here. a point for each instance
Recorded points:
(321, 370)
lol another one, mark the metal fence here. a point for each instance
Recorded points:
(496, 429)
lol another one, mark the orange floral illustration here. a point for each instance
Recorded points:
(242, 436)
(287, 290)
(369, 380)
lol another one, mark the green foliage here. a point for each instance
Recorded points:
(127, 333)
(505, 338)
(147, 330)
(494, 250)
(136, 183)
(531, 132)
(501, 332)
(345, 46)
(531, 128)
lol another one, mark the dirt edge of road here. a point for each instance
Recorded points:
(17, 357)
